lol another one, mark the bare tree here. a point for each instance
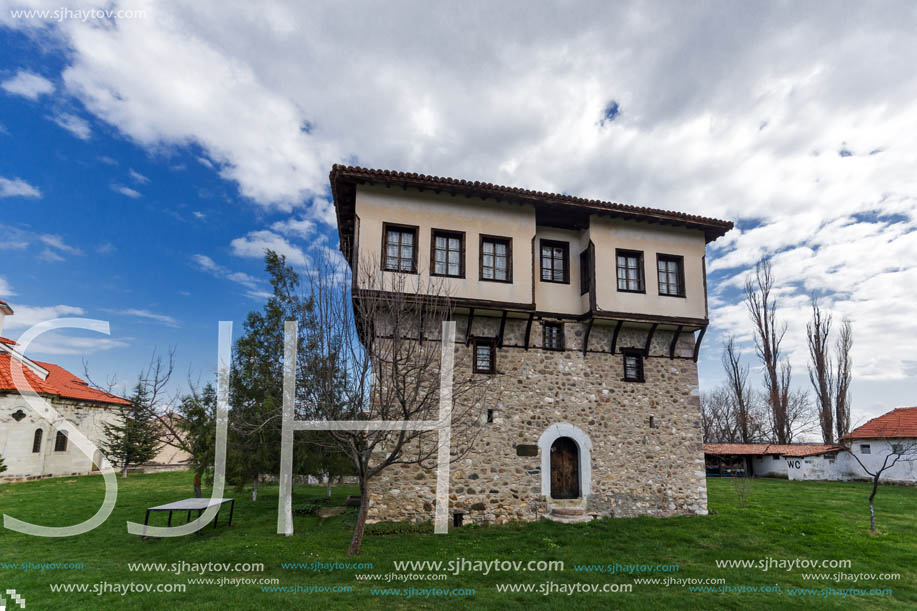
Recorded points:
(378, 348)
(739, 392)
(842, 377)
(821, 373)
(903, 451)
(800, 415)
(762, 307)
(717, 417)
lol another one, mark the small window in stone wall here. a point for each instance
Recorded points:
(490, 416)
(18, 415)
(652, 422)
(553, 336)
(526, 450)
(633, 367)
(36, 441)
(864, 448)
(485, 355)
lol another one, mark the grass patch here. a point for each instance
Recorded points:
(782, 520)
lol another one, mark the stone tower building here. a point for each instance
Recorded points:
(588, 318)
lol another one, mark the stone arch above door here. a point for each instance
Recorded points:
(564, 429)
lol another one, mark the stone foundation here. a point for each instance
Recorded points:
(633, 469)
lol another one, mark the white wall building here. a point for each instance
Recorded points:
(31, 446)
(891, 437)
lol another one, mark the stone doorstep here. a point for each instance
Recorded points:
(568, 511)
(566, 519)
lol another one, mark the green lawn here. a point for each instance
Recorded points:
(782, 520)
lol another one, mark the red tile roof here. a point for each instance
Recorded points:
(758, 449)
(896, 424)
(59, 382)
(8, 341)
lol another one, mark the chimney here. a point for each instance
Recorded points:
(5, 310)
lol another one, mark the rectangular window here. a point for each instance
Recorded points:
(485, 355)
(555, 261)
(60, 442)
(633, 367)
(553, 336)
(630, 271)
(776, 457)
(400, 248)
(448, 253)
(585, 272)
(670, 269)
(864, 448)
(496, 259)
(36, 441)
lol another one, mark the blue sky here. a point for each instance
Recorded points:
(146, 162)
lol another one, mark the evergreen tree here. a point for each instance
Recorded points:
(133, 438)
(2, 464)
(256, 387)
(198, 422)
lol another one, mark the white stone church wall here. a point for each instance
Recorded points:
(16, 438)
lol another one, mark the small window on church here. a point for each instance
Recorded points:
(18, 415)
(490, 416)
(36, 441)
(60, 442)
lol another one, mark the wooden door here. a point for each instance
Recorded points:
(564, 469)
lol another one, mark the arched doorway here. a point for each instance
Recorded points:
(581, 462)
(565, 474)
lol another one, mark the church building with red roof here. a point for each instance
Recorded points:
(33, 447)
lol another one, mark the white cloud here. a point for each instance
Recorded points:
(138, 177)
(77, 126)
(133, 194)
(147, 315)
(54, 247)
(26, 315)
(255, 243)
(57, 344)
(212, 267)
(50, 256)
(17, 187)
(199, 215)
(27, 84)
(6, 289)
(295, 227)
(105, 248)
(57, 242)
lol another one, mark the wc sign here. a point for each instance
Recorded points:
(15, 599)
(794, 464)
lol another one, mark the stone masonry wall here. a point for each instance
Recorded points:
(635, 469)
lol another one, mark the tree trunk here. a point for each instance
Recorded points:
(197, 486)
(357, 540)
(254, 490)
(124, 471)
(329, 485)
(872, 505)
